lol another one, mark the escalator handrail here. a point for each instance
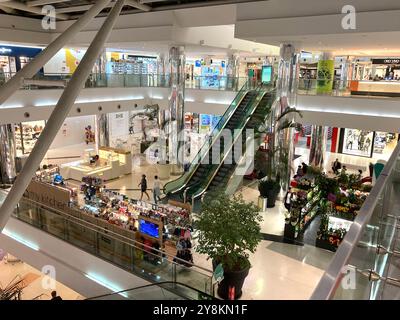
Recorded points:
(212, 168)
(208, 144)
(158, 284)
(233, 142)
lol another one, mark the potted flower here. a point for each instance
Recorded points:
(228, 230)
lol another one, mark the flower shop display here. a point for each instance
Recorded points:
(338, 200)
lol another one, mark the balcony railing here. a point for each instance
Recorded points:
(108, 80)
(118, 248)
(364, 266)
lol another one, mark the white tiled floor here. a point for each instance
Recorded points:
(8, 271)
(280, 271)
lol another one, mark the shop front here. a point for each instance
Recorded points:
(365, 143)
(13, 59)
(377, 77)
(207, 73)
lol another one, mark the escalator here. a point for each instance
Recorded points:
(208, 174)
(203, 164)
(219, 179)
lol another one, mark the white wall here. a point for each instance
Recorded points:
(40, 103)
(375, 114)
(72, 131)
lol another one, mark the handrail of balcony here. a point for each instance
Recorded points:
(358, 250)
(102, 80)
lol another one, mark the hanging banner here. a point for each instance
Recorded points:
(325, 73)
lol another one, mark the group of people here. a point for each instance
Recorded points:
(301, 170)
(157, 186)
(184, 254)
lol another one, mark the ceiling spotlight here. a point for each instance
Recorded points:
(201, 42)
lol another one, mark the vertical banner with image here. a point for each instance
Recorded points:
(325, 74)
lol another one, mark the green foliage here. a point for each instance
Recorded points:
(228, 229)
(327, 185)
(265, 186)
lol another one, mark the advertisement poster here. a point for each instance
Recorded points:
(325, 74)
(266, 74)
(214, 122)
(205, 123)
(358, 142)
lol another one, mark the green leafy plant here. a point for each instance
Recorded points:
(228, 230)
(264, 186)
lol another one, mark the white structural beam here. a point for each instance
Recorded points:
(78, 8)
(42, 58)
(137, 5)
(7, 10)
(36, 3)
(23, 7)
(58, 116)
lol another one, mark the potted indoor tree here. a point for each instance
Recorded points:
(269, 190)
(228, 230)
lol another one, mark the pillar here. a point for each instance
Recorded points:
(176, 109)
(103, 130)
(161, 70)
(325, 74)
(344, 73)
(286, 87)
(318, 146)
(232, 71)
(7, 154)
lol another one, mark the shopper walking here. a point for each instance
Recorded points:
(288, 199)
(143, 187)
(156, 189)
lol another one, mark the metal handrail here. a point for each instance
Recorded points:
(114, 236)
(158, 284)
(212, 139)
(258, 100)
(330, 281)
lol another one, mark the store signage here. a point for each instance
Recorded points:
(48, 195)
(5, 50)
(198, 63)
(386, 61)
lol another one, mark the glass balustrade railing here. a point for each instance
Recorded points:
(362, 267)
(347, 88)
(155, 291)
(180, 183)
(115, 246)
(108, 80)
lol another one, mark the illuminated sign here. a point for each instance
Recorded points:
(386, 61)
(5, 50)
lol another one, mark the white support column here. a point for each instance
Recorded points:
(7, 154)
(42, 58)
(58, 116)
(177, 109)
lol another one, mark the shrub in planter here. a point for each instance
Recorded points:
(269, 189)
(228, 230)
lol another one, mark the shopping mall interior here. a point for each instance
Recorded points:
(199, 150)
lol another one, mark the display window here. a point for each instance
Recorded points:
(358, 142)
(26, 135)
(125, 63)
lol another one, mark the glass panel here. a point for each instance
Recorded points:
(151, 264)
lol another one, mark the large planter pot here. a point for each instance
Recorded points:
(271, 196)
(232, 279)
